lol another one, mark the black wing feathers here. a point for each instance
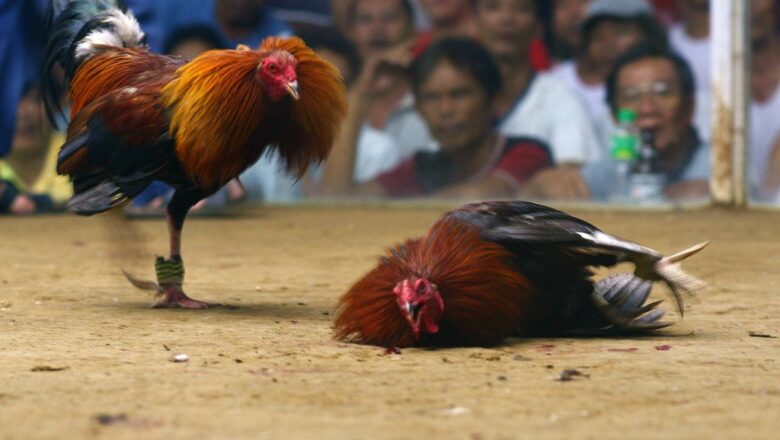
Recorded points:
(514, 223)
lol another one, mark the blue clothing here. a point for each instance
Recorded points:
(310, 12)
(160, 19)
(21, 47)
(601, 178)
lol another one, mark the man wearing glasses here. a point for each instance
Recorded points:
(659, 87)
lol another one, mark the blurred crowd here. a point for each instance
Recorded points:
(604, 100)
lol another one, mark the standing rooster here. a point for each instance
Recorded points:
(138, 116)
(491, 270)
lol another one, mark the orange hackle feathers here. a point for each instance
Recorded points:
(485, 298)
(309, 133)
(217, 105)
(222, 121)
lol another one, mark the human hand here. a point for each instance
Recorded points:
(394, 58)
(688, 189)
(235, 190)
(22, 205)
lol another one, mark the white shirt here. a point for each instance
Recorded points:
(377, 152)
(593, 96)
(695, 52)
(550, 112)
(595, 99)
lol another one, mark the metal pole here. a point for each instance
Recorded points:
(730, 63)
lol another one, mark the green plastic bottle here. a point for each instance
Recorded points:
(625, 139)
(624, 150)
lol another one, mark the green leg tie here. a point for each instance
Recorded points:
(169, 271)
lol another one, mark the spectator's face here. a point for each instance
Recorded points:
(507, 26)
(762, 24)
(612, 38)
(379, 24)
(765, 70)
(651, 88)
(445, 11)
(240, 12)
(454, 106)
(31, 135)
(567, 17)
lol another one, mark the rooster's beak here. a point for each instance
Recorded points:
(411, 313)
(292, 89)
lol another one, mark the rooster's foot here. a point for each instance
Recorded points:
(621, 300)
(174, 297)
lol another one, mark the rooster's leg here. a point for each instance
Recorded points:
(170, 272)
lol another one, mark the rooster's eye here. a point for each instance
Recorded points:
(272, 67)
(421, 289)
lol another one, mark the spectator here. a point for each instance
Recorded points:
(567, 18)
(382, 123)
(237, 21)
(667, 12)
(339, 10)
(448, 18)
(333, 47)
(762, 19)
(378, 25)
(456, 84)
(20, 51)
(610, 29)
(536, 105)
(764, 164)
(190, 41)
(29, 183)
(691, 39)
(383, 34)
(659, 86)
(302, 15)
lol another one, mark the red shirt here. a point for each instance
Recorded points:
(516, 159)
(540, 55)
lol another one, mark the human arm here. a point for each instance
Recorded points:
(338, 176)
(564, 182)
(14, 202)
(337, 171)
(687, 189)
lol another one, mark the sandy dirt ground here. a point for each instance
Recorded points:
(83, 356)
